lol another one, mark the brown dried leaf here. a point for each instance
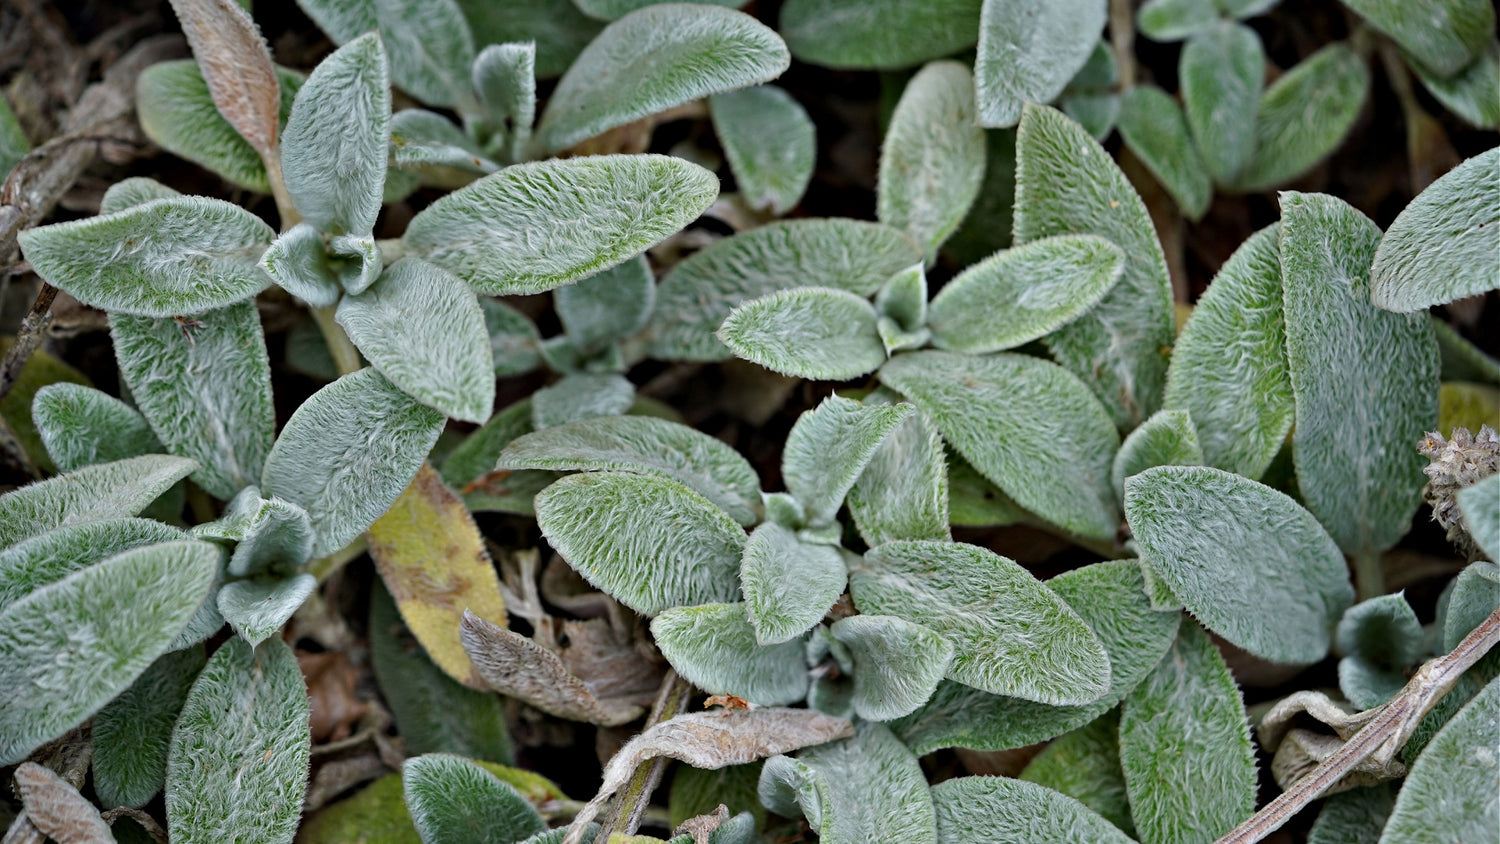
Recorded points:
(236, 64)
(57, 809)
(608, 662)
(517, 667)
(334, 703)
(702, 826)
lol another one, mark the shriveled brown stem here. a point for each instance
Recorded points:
(631, 803)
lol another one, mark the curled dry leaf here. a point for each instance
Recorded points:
(1297, 750)
(236, 64)
(57, 809)
(517, 667)
(610, 661)
(335, 704)
(713, 740)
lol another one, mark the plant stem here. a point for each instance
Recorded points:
(1122, 39)
(631, 803)
(1369, 580)
(345, 356)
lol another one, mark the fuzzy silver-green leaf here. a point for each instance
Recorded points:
(1222, 72)
(771, 176)
(789, 585)
(1304, 116)
(132, 733)
(103, 491)
(1153, 127)
(1009, 811)
(713, 647)
(828, 448)
(807, 332)
(1029, 50)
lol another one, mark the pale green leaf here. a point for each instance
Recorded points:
(903, 491)
(1222, 72)
(1353, 817)
(347, 453)
(455, 801)
(1242, 9)
(238, 762)
(1022, 294)
(649, 541)
(1462, 360)
(428, 41)
(69, 647)
(161, 259)
(476, 455)
(1476, 594)
(713, 647)
(1380, 640)
(1229, 368)
(1470, 92)
(52, 556)
(13, 142)
(932, 158)
(1450, 794)
(136, 190)
(607, 306)
(513, 338)
(298, 261)
(695, 297)
(132, 733)
(1479, 503)
(257, 609)
(1304, 116)
(1365, 381)
(93, 493)
(504, 77)
(1085, 765)
(559, 30)
(1174, 20)
(654, 59)
(1029, 50)
(1026, 424)
(1152, 125)
(270, 535)
(581, 395)
(609, 10)
(1007, 811)
(1186, 724)
(81, 426)
(1092, 96)
(205, 387)
(1011, 634)
(431, 148)
(770, 176)
(789, 585)
(1445, 244)
(897, 663)
(533, 227)
(829, 447)
(1168, 438)
(807, 332)
(1441, 36)
(878, 34)
(1067, 184)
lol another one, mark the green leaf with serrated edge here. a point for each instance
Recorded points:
(136, 190)
(1174, 20)
(238, 762)
(1222, 72)
(298, 261)
(807, 332)
(1067, 184)
(608, 305)
(829, 446)
(1476, 593)
(1479, 503)
(49, 557)
(897, 663)
(559, 30)
(789, 585)
(205, 387)
(986, 229)
(1026, 424)
(1011, 634)
(1085, 765)
(1168, 438)
(178, 115)
(609, 10)
(430, 146)
(642, 444)
(650, 542)
(1449, 794)
(1353, 817)
(1229, 368)
(1442, 37)
(1468, 92)
(513, 338)
(1443, 246)
(504, 77)
(161, 259)
(93, 493)
(695, 791)
(429, 42)
(865, 788)
(131, 734)
(81, 426)
(698, 293)
(654, 59)
(1235, 550)
(1304, 116)
(713, 647)
(1111, 600)
(581, 395)
(533, 227)
(333, 149)
(422, 328)
(1380, 639)
(69, 647)
(1186, 723)
(903, 491)
(772, 177)
(1022, 294)
(1029, 50)
(257, 609)
(1152, 125)
(1010, 811)
(13, 142)
(932, 158)
(878, 34)
(1365, 381)
(453, 800)
(348, 452)
(433, 713)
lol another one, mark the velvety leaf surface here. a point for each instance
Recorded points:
(68, 647)
(51, 556)
(1186, 724)
(1085, 765)
(714, 647)
(1067, 184)
(1025, 424)
(1467, 93)
(54, 808)
(132, 733)
(1168, 438)
(903, 491)
(878, 34)
(987, 227)
(807, 332)
(1221, 73)
(1365, 381)
(559, 30)
(609, 10)
(828, 448)
(1476, 594)
(1155, 130)
(1304, 116)
(607, 306)
(453, 800)
(579, 396)
(1449, 794)
(1028, 50)
(428, 41)
(1442, 36)
(270, 535)
(136, 190)
(504, 77)
(897, 664)
(695, 791)
(1353, 816)
(789, 585)
(298, 261)
(236, 64)
(1008, 811)
(347, 453)
(104, 491)
(771, 176)
(1380, 639)
(81, 426)
(1174, 20)
(513, 338)
(205, 387)
(533, 227)
(654, 59)
(238, 762)
(1479, 503)
(257, 609)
